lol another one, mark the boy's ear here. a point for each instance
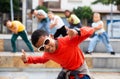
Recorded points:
(51, 36)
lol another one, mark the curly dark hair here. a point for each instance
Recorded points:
(36, 35)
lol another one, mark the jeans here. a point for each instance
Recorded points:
(62, 75)
(72, 26)
(102, 37)
(23, 35)
(44, 25)
(85, 77)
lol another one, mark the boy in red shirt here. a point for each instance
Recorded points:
(64, 51)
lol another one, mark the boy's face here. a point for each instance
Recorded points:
(8, 24)
(47, 44)
(50, 15)
(96, 17)
(67, 14)
(35, 12)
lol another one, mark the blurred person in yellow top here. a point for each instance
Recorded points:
(18, 29)
(73, 20)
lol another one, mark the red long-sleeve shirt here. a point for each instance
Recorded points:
(68, 53)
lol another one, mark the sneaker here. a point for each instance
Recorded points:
(112, 53)
(88, 52)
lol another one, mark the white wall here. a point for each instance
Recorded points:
(70, 4)
(100, 7)
(67, 4)
(50, 0)
(34, 3)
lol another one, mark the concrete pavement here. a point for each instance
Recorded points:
(53, 75)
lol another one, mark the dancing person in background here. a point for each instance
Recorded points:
(73, 20)
(99, 35)
(18, 29)
(43, 20)
(56, 21)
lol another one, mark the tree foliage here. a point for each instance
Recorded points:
(83, 12)
(42, 7)
(5, 6)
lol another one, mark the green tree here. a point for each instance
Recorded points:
(42, 7)
(78, 12)
(104, 2)
(84, 13)
(5, 6)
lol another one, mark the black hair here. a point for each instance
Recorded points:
(68, 11)
(5, 22)
(32, 11)
(36, 35)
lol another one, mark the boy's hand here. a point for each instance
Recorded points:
(24, 57)
(72, 32)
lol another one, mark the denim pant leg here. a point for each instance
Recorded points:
(86, 77)
(47, 25)
(93, 43)
(44, 25)
(23, 35)
(71, 27)
(105, 40)
(40, 25)
(13, 40)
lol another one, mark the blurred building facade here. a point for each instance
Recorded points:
(58, 6)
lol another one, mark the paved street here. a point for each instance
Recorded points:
(52, 74)
(105, 75)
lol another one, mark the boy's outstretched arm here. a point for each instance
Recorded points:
(80, 34)
(32, 59)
